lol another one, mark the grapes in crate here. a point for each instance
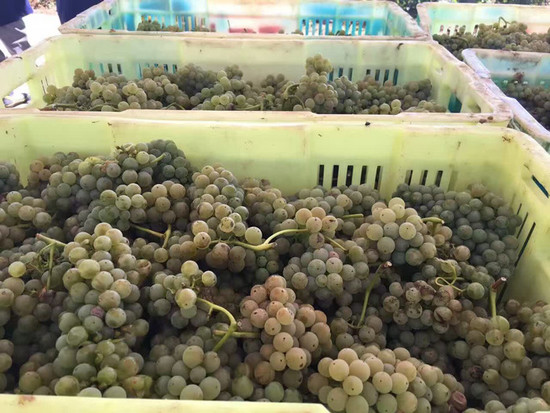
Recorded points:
(501, 35)
(142, 275)
(194, 88)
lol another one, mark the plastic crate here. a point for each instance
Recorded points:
(311, 17)
(455, 85)
(442, 17)
(296, 154)
(498, 67)
(55, 404)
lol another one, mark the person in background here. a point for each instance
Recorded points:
(67, 9)
(13, 39)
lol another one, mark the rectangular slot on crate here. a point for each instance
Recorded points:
(455, 105)
(378, 177)
(335, 170)
(522, 225)
(364, 170)
(386, 75)
(438, 178)
(377, 75)
(423, 177)
(522, 249)
(320, 175)
(395, 76)
(349, 175)
(408, 176)
(540, 186)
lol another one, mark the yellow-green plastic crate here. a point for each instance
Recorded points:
(311, 17)
(498, 67)
(443, 17)
(295, 154)
(455, 85)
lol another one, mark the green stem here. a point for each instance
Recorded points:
(285, 231)
(177, 105)
(238, 334)
(434, 220)
(335, 243)
(266, 245)
(50, 267)
(167, 236)
(352, 216)
(376, 277)
(232, 322)
(149, 231)
(50, 240)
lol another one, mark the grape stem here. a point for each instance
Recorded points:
(164, 236)
(493, 297)
(50, 241)
(238, 334)
(352, 216)
(335, 243)
(368, 290)
(266, 245)
(444, 281)
(231, 331)
(173, 104)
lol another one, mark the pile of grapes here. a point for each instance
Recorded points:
(534, 98)
(141, 275)
(193, 88)
(508, 36)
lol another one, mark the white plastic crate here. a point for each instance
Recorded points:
(443, 17)
(296, 154)
(455, 85)
(312, 17)
(497, 67)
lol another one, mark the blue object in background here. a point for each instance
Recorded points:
(13, 10)
(67, 9)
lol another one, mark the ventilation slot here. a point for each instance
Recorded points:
(378, 177)
(349, 175)
(438, 178)
(386, 75)
(522, 225)
(334, 181)
(455, 105)
(377, 75)
(395, 76)
(423, 177)
(408, 176)
(364, 171)
(320, 175)
(526, 242)
(540, 186)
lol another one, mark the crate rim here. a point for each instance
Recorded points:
(71, 27)
(521, 115)
(501, 113)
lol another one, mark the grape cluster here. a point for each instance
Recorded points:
(508, 36)
(192, 87)
(384, 380)
(478, 219)
(291, 336)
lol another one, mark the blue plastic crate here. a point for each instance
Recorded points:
(497, 68)
(311, 17)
